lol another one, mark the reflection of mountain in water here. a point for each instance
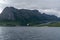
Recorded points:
(26, 16)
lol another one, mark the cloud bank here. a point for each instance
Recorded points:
(47, 6)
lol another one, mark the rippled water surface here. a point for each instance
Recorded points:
(29, 33)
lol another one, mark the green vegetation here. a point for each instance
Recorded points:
(17, 23)
(9, 23)
(53, 24)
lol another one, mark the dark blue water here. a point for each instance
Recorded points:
(29, 33)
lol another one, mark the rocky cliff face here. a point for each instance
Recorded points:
(7, 14)
(25, 15)
(10, 13)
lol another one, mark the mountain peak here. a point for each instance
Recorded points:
(25, 15)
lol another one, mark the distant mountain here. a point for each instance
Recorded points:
(26, 16)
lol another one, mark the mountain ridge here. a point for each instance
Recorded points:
(25, 16)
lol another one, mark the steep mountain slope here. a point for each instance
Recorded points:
(25, 16)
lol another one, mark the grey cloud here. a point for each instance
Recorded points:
(33, 4)
(38, 3)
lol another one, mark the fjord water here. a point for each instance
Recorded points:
(29, 33)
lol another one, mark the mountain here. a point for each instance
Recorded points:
(25, 16)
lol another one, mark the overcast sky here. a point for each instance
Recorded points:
(47, 6)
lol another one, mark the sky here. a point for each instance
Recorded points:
(51, 7)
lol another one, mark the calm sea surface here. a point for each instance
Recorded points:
(29, 33)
